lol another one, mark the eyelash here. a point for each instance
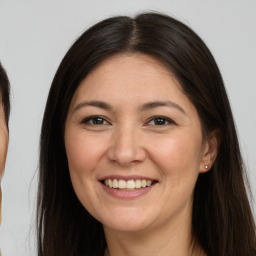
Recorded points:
(167, 121)
(94, 119)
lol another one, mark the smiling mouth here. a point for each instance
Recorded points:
(129, 184)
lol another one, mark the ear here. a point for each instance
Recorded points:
(210, 151)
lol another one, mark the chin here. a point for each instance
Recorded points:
(127, 222)
(128, 226)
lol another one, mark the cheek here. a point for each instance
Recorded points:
(83, 153)
(3, 150)
(177, 159)
(178, 154)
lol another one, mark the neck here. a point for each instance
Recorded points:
(172, 240)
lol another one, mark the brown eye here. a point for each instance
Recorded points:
(160, 121)
(95, 120)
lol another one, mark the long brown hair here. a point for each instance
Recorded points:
(5, 103)
(4, 93)
(222, 220)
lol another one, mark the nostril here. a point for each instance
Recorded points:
(125, 148)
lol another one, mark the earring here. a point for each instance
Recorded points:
(206, 167)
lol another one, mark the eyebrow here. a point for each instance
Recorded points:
(94, 103)
(155, 104)
(144, 107)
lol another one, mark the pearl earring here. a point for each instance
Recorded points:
(206, 167)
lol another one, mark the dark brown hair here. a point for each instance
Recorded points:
(222, 221)
(4, 93)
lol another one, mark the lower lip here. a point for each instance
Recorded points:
(127, 194)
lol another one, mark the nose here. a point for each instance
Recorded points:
(127, 146)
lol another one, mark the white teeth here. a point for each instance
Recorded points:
(110, 183)
(148, 183)
(138, 183)
(129, 184)
(122, 184)
(115, 183)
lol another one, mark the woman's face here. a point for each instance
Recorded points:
(3, 140)
(134, 145)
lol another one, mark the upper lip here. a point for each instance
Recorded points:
(125, 177)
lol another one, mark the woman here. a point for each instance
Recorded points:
(139, 152)
(4, 117)
(4, 134)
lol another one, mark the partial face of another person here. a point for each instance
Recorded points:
(3, 140)
(134, 145)
(3, 148)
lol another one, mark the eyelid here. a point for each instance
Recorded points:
(89, 118)
(166, 119)
(169, 120)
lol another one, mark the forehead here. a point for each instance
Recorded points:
(134, 64)
(128, 82)
(129, 73)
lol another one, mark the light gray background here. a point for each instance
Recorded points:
(35, 35)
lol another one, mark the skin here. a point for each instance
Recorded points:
(3, 148)
(129, 141)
